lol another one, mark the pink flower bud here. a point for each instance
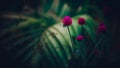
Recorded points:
(102, 28)
(81, 21)
(67, 21)
(80, 37)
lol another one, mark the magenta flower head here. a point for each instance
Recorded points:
(102, 28)
(80, 37)
(81, 21)
(67, 21)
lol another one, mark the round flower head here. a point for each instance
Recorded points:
(81, 21)
(102, 28)
(67, 21)
(80, 37)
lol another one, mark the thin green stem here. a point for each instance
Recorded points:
(83, 46)
(66, 41)
(71, 39)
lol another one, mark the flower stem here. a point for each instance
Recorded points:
(71, 40)
(83, 41)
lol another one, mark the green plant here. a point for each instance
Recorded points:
(39, 39)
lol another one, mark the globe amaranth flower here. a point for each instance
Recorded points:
(102, 27)
(67, 20)
(80, 37)
(81, 21)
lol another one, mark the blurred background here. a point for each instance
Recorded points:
(26, 24)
